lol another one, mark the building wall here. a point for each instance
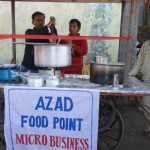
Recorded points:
(101, 19)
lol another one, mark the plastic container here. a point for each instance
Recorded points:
(52, 81)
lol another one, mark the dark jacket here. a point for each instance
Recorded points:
(28, 59)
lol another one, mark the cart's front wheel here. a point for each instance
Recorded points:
(110, 139)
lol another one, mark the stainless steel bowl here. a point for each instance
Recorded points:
(101, 59)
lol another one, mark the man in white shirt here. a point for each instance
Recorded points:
(143, 65)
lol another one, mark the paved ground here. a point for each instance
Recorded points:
(134, 122)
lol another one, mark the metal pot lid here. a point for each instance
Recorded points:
(110, 64)
(9, 66)
(41, 44)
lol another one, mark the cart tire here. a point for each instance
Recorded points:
(111, 138)
(107, 113)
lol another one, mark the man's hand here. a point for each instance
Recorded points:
(52, 22)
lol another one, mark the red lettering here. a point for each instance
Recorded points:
(44, 140)
(63, 141)
(26, 139)
(37, 139)
(76, 143)
(19, 140)
(72, 143)
(58, 141)
(86, 144)
(52, 141)
(68, 142)
(82, 143)
(29, 139)
(55, 141)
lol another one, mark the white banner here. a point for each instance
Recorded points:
(51, 118)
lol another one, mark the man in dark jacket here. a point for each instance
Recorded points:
(38, 21)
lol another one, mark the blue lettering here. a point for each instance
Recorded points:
(73, 124)
(38, 121)
(44, 122)
(79, 125)
(62, 123)
(49, 102)
(23, 120)
(40, 104)
(55, 121)
(59, 104)
(32, 121)
(68, 104)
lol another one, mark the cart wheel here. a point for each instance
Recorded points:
(110, 139)
(107, 113)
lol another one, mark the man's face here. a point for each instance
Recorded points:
(38, 21)
(73, 28)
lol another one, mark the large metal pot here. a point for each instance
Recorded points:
(104, 73)
(52, 55)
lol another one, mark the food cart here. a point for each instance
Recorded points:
(109, 116)
(111, 127)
